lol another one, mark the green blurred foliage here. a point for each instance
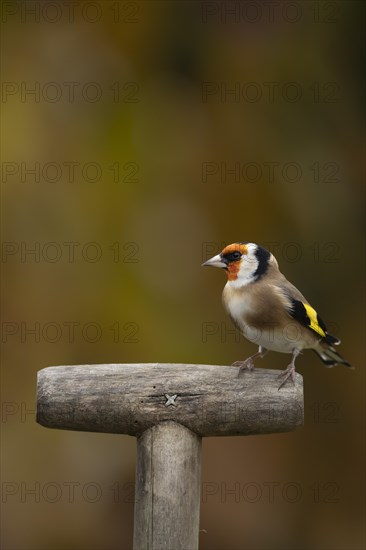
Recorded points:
(170, 203)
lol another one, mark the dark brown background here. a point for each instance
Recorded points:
(174, 204)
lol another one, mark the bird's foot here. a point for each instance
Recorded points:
(289, 372)
(248, 364)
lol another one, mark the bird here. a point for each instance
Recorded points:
(269, 310)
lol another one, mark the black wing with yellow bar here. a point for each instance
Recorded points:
(307, 316)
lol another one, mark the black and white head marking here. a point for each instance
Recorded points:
(254, 264)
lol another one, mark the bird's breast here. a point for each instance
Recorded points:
(238, 304)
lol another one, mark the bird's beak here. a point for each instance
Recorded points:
(215, 261)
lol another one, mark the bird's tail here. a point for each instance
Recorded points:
(330, 356)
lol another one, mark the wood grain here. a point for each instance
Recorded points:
(167, 496)
(131, 398)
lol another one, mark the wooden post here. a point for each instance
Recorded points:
(169, 407)
(167, 505)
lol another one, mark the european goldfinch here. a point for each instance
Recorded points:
(270, 311)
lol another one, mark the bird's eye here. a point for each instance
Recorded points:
(233, 256)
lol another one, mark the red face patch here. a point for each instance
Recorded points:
(233, 267)
(232, 270)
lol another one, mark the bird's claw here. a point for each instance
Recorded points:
(248, 364)
(286, 374)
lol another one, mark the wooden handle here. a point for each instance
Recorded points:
(209, 400)
(167, 496)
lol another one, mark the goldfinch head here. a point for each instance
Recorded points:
(243, 262)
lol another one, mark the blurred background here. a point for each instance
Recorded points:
(138, 139)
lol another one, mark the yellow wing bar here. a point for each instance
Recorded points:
(313, 316)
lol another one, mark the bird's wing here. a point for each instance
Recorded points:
(300, 310)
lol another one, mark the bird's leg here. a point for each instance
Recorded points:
(249, 362)
(289, 372)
